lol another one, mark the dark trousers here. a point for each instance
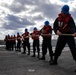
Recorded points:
(19, 45)
(12, 45)
(15, 45)
(61, 42)
(47, 44)
(36, 46)
(26, 44)
(8, 45)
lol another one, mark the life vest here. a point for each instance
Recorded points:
(36, 32)
(18, 38)
(22, 40)
(63, 23)
(8, 38)
(25, 34)
(46, 30)
(12, 39)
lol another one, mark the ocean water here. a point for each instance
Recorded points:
(53, 42)
(2, 45)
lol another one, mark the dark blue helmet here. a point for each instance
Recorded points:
(35, 28)
(17, 32)
(65, 9)
(46, 22)
(26, 30)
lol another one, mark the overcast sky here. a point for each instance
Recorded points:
(16, 15)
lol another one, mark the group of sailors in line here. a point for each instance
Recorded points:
(63, 24)
(15, 42)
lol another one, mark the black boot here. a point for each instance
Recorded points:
(54, 61)
(33, 55)
(38, 56)
(75, 70)
(23, 52)
(51, 59)
(28, 52)
(42, 58)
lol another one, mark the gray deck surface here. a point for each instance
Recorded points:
(15, 63)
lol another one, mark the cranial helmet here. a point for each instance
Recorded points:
(17, 32)
(65, 9)
(26, 30)
(46, 22)
(35, 28)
